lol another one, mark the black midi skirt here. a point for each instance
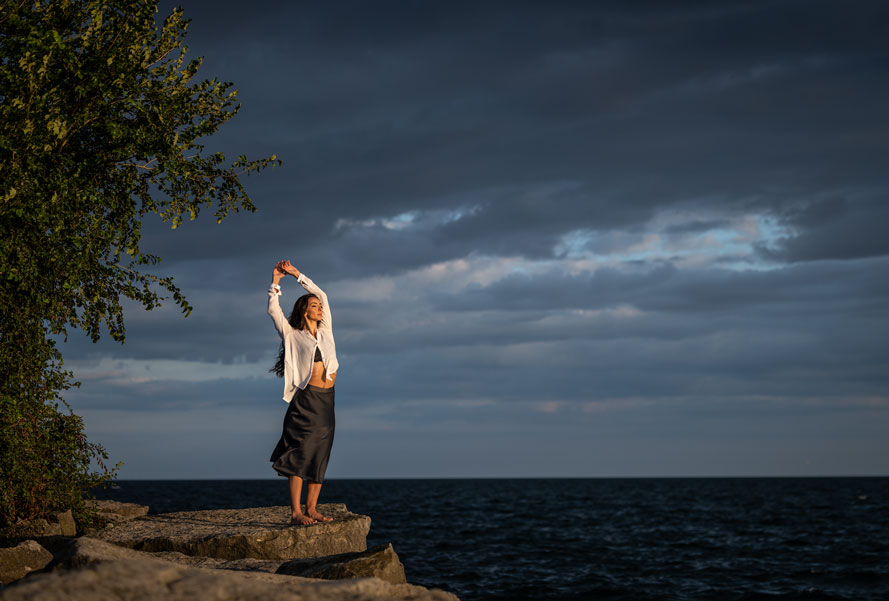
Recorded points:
(304, 448)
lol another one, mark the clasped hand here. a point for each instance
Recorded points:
(282, 268)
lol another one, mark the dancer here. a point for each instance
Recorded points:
(307, 362)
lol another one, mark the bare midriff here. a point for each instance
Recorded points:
(319, 376)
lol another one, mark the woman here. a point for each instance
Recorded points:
(307, 362)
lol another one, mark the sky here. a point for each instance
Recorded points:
(560, 239)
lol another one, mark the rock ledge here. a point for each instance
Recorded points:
(257, 532)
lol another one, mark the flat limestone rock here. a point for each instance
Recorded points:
(249, 564)
(379, 562)
(16, 562)
(115, 511)
(87, 551)
(256, 532)
(137, 580)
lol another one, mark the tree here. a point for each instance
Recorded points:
(102, 121)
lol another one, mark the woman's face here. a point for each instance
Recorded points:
(313, 310)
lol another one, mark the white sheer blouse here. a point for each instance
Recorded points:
(300, 345)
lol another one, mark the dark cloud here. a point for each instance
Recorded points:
(380, 109)
(698, 225)
(834, 229)
(794, 332)
(665, 288)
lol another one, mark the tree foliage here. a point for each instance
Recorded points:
(102, 121)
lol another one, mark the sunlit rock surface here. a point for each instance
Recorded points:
(257, 532)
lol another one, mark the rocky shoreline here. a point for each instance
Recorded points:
(236, 554)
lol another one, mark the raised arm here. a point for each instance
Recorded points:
(281, 323)
(311, 288)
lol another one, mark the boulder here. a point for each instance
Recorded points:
(379, 562)
(269, 566)
(136, 580)
(59, 524)
(66, 525)
(36, 528)
(87, 551)
(16, 562)
(257, 532)
(115, 511)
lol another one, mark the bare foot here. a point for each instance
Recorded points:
(312, 513)
(302, 520)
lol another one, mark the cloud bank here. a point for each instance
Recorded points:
(564, 240)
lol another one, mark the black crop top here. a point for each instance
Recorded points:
(317, 355)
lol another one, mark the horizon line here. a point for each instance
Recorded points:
(669, 477)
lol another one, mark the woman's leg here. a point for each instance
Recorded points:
(296, 512)
(314, 489)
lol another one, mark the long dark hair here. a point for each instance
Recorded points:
(297, 321)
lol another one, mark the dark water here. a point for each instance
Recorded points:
(633, 539)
